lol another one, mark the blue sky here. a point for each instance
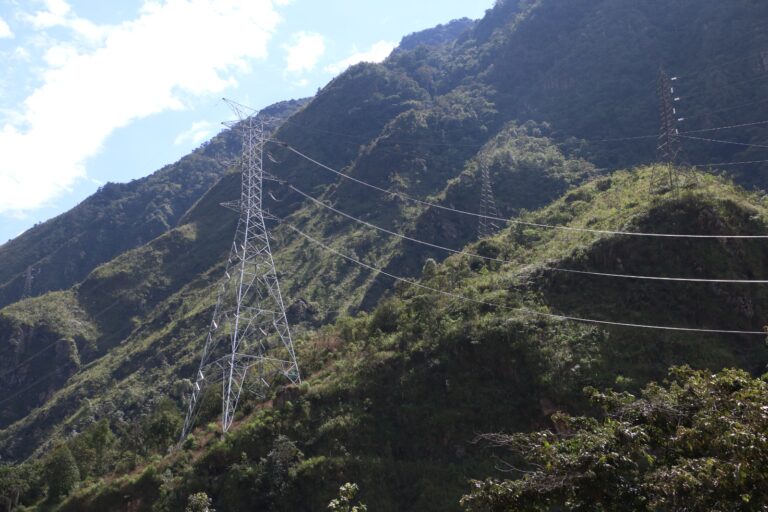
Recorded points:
(94, 91)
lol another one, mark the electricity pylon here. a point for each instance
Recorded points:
(29, 277)
(249, 334)
(670, 148)
(487, 226)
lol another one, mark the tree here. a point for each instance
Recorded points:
(281, 462)
(696, 444)
(162, 427)
(92, 449)
(347, 496)
(13, 484)
(61, 473)
(199, 502)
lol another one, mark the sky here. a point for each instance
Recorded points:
(95, 91)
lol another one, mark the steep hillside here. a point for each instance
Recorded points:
(119, 217)
(439, 35)
(147, 288)
(394, 399)
(585, 68)
(538, 92)
(589, 68)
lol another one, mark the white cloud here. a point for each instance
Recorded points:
(173, 50)
(196, 133)
(304, 52)
(5, 30)
(58, 56)
(376, 53)
(21, 53)
(58, 13)
(55, 14)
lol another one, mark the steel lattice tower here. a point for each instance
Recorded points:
(249, 332)
(670, 148)
(487, 227)
(29, 277)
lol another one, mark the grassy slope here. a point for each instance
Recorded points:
(128, 291)
(414, 123)
(396, 397)
(145, 312)
(359, 123)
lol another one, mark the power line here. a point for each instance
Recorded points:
(500, 260)
(709, 69)
(25, 361)
(702, 139)
(27, 388)
(364, 140)
(514, 221)
(733, 163)
(523, 310)
(704, 88)
(719, 128)
(558, 144)
(726, 109)
(615, 139)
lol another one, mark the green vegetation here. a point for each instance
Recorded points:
(61, 473)
(19, 482)
(394, 398)
(695, 443)
(399, 379)
(345, 501)
(199, 502)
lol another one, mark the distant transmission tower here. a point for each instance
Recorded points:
(249, 333)
(29, 277)
(670, 148)
(487, 227)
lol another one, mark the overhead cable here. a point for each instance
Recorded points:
(721, 66)
(726, 164)
(563, 143)
(705, 88)
(28, 359)
(734, 143)
(518, 309)
(725, 109)
(515, 221)
(500, 260)
(719, 128)
(28, 387)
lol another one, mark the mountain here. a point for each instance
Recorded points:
(400, 378)
(589, 69)
(393, 399)
(119, 217)
(437, 36)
